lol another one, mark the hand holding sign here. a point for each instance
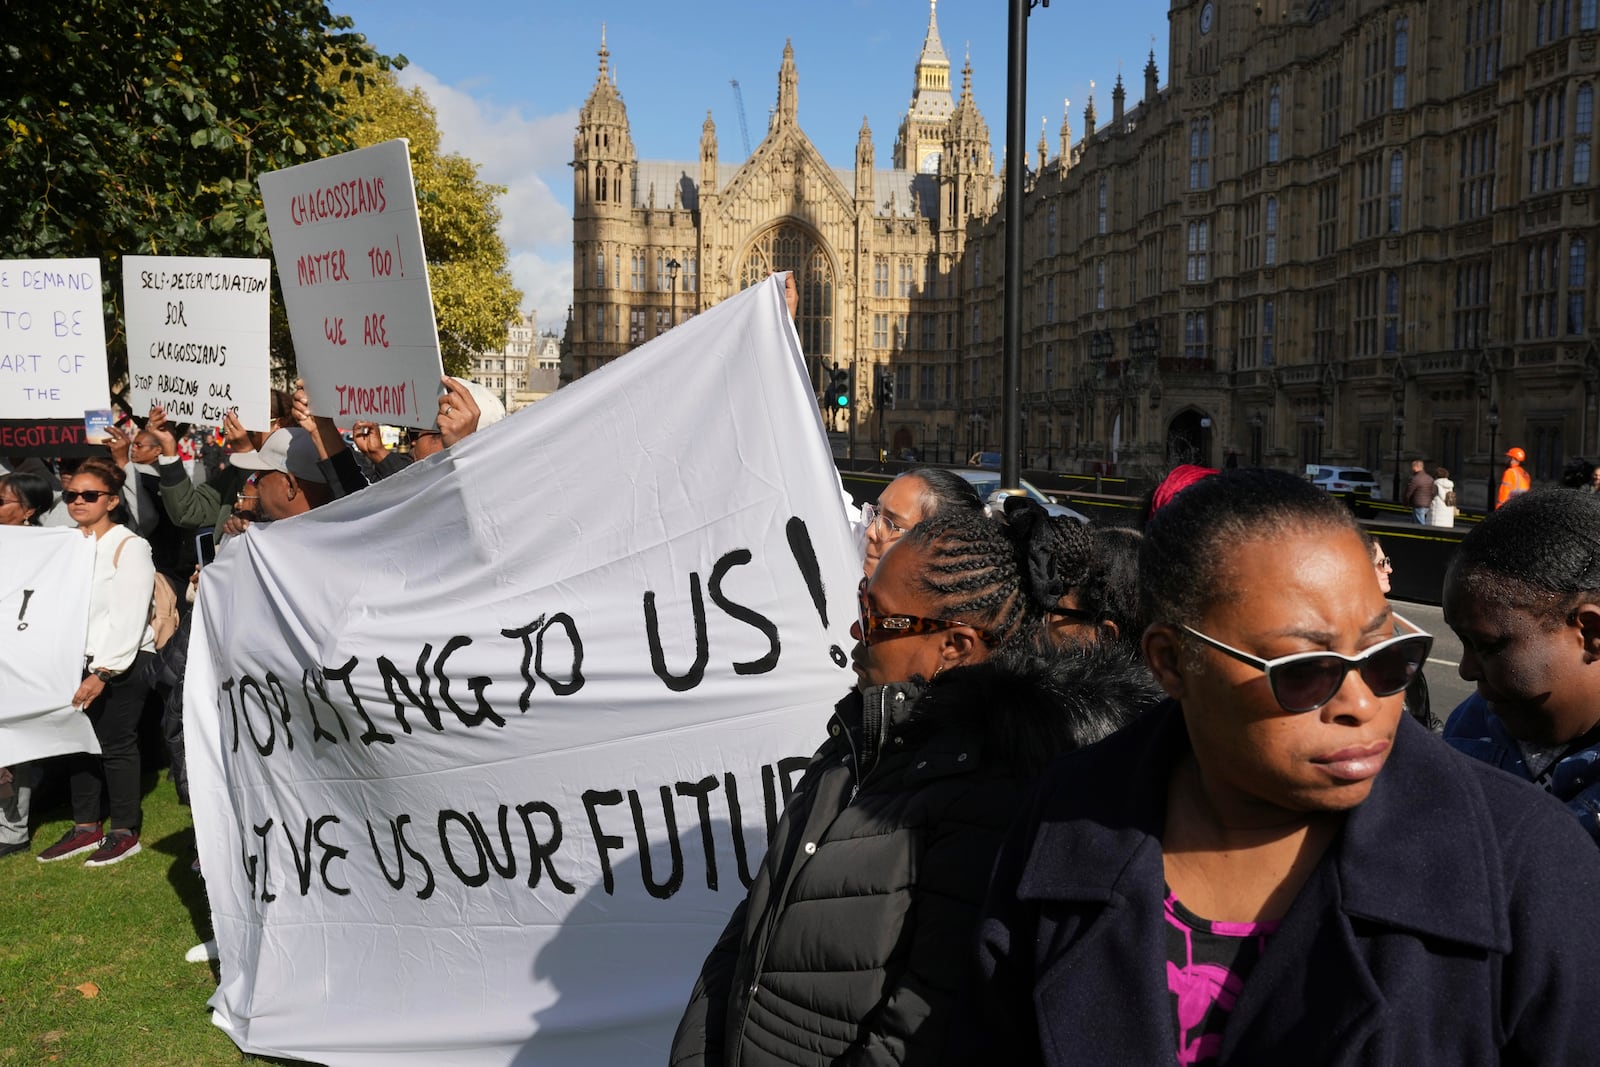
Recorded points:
(458, 412)
(120, 442)
(157, 425)
(234, 433)
(369, 439)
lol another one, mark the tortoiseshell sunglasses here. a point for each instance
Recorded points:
(875, 626)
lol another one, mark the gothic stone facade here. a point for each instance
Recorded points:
(1346, 231)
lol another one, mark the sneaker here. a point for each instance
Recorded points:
(204, 952)
(74, 841)
(118, 846)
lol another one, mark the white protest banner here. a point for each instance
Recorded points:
(44, 621)
(198, 337)
(348, 244)
(484, 756)
(52, 354)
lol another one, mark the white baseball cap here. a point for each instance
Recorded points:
(289, 450)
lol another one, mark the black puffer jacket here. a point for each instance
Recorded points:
(856, 943)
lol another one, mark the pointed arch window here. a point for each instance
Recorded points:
(788, 247)
(600, 184)
(1102, 195)
(600, 269)
(1402, 58)
(1050, 231)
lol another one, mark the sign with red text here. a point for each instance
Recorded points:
(52, 340)
(348, 245)
(198, 337)
(44, 621)
(479, 774)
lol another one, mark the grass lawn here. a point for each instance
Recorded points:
(91, 959)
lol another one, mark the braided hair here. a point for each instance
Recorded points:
(1539, 552)
(974, 571)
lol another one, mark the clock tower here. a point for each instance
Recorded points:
(920, 140)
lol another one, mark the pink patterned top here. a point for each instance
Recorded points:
(1207, 964)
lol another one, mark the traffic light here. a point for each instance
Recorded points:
(839, 387)
(886, 391)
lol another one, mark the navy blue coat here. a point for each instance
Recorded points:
(1455, 920)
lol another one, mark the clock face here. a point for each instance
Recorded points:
(1206, 14)
(930, 163)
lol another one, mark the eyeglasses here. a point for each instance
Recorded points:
(89, 496)
(870, 516)
(1305, 681)
(1383, 563)
(875, 626)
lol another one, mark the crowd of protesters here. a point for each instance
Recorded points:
(1099, 795)
(1108, 796)
(152, 510)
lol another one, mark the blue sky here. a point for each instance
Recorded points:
(508, 79)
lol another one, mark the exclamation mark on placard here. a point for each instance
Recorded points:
(806, 557)
(399, 255)
(27, 594)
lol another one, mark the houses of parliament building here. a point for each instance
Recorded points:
(1345, 232)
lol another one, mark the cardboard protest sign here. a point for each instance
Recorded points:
(348, 245)
(198, 337)
(52, 355)
(493, 747)
(44, 621)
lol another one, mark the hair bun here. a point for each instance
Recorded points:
(1035, 542)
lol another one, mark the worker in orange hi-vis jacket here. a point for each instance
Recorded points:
(1515, 480)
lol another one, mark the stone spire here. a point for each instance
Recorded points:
(1088, 114)
(1044, 146)
(1151, 77)
(864, 161)
(1119, 97)
(1066, 132)
(708, 155)
(788, 87)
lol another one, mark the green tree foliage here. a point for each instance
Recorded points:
(141, 127)
(474, 299)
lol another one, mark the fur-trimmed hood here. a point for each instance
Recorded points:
(1032, 707)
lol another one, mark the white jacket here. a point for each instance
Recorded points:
(119, 602)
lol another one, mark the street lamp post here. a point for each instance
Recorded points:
(1399, 438)
(1493, 420)
(1255, 439)
(1321, 421)
(673, 266)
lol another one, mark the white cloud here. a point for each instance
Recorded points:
(530, 157)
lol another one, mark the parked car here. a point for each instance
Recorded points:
(988, 482)
(1346, 480)
(985, 460)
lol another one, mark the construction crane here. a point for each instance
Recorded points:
(744, 130)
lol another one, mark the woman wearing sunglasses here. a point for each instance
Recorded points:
(117, 656)
(855, 942)
(1278, 865)
(1523, 594)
